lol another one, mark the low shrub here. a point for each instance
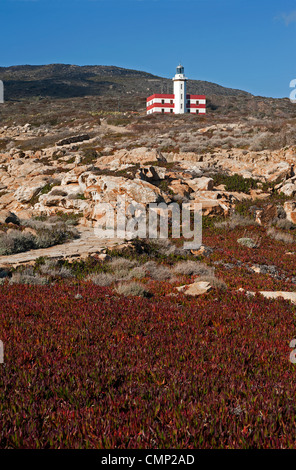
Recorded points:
(157, 271)
(235, 220)
(52, 268)
(279, 235)
(192, 268)
(16, 241)
(235, 182)
(27, 277)
(101, 279)
(283, 224)
(248, 242)
(133, 289)
(47, 234)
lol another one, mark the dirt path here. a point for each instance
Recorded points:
(87, 244)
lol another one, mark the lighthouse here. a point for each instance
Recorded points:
(178, 102)
(180, 90)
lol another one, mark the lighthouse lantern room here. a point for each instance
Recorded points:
(180, 90)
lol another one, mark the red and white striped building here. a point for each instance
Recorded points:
(179, 102)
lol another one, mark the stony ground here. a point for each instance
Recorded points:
(140, 343)
(86, 245)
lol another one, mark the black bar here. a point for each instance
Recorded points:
(93, 459)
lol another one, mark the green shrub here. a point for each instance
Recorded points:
(235, 183)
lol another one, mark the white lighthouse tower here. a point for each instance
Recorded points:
(180, 90)
(178, 102)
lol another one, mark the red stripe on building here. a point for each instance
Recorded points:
(160, 96)
(196, 105)
(160, 105)
(195, 97)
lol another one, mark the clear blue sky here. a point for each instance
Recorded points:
(246, 44)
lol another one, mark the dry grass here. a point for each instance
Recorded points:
(52, 269)
(283, 224)
(235, 220)
(192, 268)
(28, 276)
(157, 272)
(280, 236)
(121, 263)
(132, 288)
(101, 279)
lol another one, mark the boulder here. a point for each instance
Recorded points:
(288, 189)
(266, 215)
(203, 251)
(69, 178)
(290, 210)
(152, 173)
(6, 200)
(212, 207)
(195, 289)
(275, 295)
(72, 140)
(134, 156)
(26, 191)
(102, 188)
(201, 184)
(7, 217)
(277, 170)
(181, 188)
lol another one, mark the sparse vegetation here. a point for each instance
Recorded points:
(235, 182)
(132, 289)
(97, 340)
(43, 235)
(280, 235)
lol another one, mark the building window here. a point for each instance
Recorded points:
(171, 101)
(171, 110)
(181, 86)
(197, 111)
(181, 106)
(162, 101)
(162, 110)
(188, 110)
(197, 102)
(181, 96)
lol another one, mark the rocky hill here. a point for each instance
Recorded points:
(71, 90)
(68, 81)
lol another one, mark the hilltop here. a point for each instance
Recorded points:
(69, 81)
(65, 90)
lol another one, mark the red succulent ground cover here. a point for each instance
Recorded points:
(269, 252)
(106, 371)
